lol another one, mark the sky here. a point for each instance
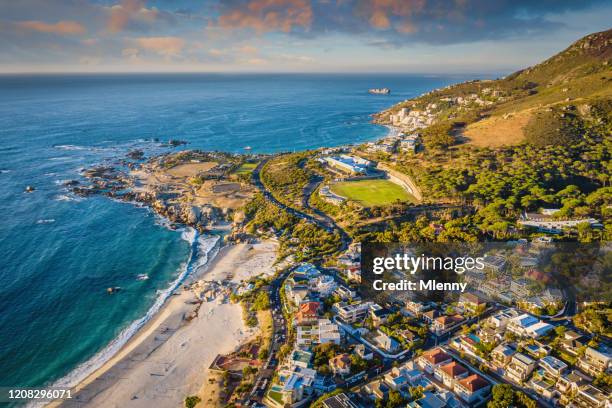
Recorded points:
(343, 36)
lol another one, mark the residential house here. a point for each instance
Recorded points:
(553, 366)
(363, 352)
(471, 301)
(353, 273)
(300, 358)
(520, 367)
(432, 359)
(297, 293)
(472, 388)
(377, 389)
(495, 263)
(450, 373)
(345, 293)
(429, 400)
(324, 285)
(591, 397)
(572, 342)
(527, 325)
(296, 384)
(430, 315)
(502, 355)
(545, 390)
(378, 314)
(501, 319)
(308, 313)
(386, 342)
(321, 332)
(339, 401)
(469, 342)
(396, 378)
(351, 313)
(572, 382)
(340, 364)
(416, 308)
(595, 362)
(445, 324)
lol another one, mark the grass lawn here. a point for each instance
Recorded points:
(245, 168)
(276, 396)
(370, 193)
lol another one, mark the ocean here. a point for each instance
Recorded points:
(60, 253)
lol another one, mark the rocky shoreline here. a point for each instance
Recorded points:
(175, 198)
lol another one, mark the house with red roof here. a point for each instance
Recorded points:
(450, 373)
(307, 313)
(472, 388)
(445, 324)
(432, 359)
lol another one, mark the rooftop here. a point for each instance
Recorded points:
(436, 356)
(474, 382)
(454, 369)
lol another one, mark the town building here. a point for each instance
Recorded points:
(591, 397)
(339, 401)
(349, 164)
(432, 359)
(520, 367)
(386, 342)
(472, 388)
(363, 352)
(445, 324)
(351, 313)
(340, 364)
(553, 366)
(308, 313)
(450, 373)
(321, 332)
(594, 362)
(502, 355)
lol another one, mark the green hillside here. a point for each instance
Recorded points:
(496, 113)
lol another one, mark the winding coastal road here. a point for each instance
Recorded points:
(321, 219)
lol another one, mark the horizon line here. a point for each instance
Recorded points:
(42, 73)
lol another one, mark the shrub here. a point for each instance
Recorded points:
(192, 400)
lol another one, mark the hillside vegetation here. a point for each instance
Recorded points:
(496, 113)
(539, 138)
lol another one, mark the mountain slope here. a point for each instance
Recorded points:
(496, 113)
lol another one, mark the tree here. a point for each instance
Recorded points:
(395, 399)
(503, 396)
(192, 400)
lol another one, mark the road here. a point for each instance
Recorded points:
(279, 336)
(321, 219)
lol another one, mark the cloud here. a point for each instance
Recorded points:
(122, 14)
(248, 49)
(266, 15)
(164, 46)
(60, 28)
(399, 22)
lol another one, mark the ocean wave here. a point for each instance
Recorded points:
(67, 197)
(4, 171)
(70, 147)
(201, 247)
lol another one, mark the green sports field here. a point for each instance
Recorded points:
(245, 168)
(371, 193)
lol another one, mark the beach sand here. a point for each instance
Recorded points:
(168, 358)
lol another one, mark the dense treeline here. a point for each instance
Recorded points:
(569, 169)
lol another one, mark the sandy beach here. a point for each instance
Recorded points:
(168, 358)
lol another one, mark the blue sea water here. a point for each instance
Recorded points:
(59, 253)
